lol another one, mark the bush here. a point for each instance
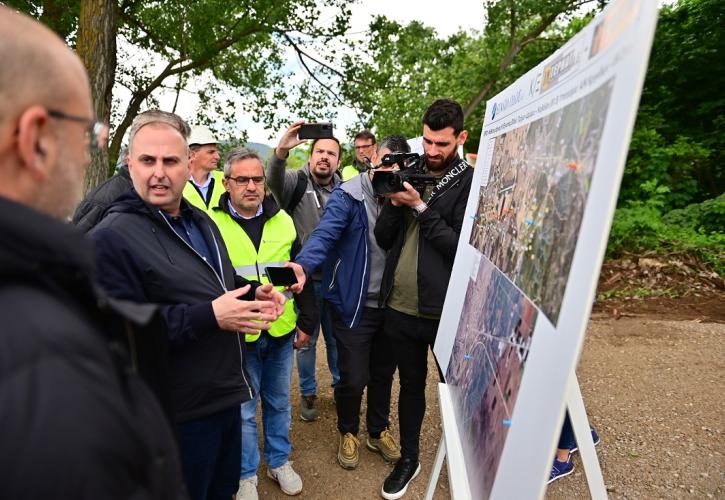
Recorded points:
(641, 227)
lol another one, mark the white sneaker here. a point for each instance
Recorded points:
(288, 479)
(247, 489)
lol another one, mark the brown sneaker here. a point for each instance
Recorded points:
(347, 453)
(308, 408)
(386, 446)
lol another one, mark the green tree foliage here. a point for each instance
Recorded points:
(672, 198)
(679, 137)
(398, 70)
(212, 46)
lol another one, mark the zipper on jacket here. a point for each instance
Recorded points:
(334, 275)
(198, 254)
(219, 260)
(365, 268)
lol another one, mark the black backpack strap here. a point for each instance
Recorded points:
(298, 193)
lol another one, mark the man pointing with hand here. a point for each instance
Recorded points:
(155, 247)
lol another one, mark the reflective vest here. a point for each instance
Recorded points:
(275, 248)
(192, 194)
(349, 172)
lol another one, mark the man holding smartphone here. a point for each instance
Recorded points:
(303, 194)
(259, 235)
(352, 262)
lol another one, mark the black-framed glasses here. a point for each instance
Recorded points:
(244, 181)
(96, 132)
(364, 146)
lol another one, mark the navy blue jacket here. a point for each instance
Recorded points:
(340, 244)
(141, 258)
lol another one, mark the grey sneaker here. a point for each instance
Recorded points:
(247, 489)
(308, 408)
(347, 452)
(385, 445)
(289, 481)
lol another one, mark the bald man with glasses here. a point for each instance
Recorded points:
(77, 420)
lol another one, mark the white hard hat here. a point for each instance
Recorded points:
(201, 135)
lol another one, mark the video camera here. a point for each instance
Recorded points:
(412, 170)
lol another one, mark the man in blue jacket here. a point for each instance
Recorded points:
(344, 244)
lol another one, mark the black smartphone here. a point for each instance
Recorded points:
(315, 131)
(281, 276)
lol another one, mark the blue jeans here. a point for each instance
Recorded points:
(307, 355)
(269, 367)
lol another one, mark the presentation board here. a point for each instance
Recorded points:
(549, 166)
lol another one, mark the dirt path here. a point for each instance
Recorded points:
(653, 389)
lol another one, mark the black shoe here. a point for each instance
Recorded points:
(397, 482)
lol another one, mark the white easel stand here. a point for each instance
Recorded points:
(450, 446)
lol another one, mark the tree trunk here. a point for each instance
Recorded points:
(96, 47)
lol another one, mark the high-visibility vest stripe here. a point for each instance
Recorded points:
(275, 249)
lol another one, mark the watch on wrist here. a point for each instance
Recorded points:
(419, 208)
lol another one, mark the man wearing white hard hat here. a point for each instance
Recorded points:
(205, 183)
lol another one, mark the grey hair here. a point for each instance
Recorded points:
(239, 154)
(395, 143)
(156, 116)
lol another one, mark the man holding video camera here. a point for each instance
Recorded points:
(421, 230)
(303, 194)
(260, 236)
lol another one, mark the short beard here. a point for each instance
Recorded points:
(325, 178)
(442, 167)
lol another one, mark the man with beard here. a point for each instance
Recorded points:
(364, 143)
(420, 230)
(77, 421)
(304, 194)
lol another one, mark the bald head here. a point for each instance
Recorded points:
(37, 65)
(40, 73)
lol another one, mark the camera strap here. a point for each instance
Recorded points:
(449, 179)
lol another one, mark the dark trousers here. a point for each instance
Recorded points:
(410, 338)
(364, 358)
(211, 454)
(567, 439)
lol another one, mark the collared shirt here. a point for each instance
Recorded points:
(184, 225)
(253, 226)
(240, 216)
(205, 187)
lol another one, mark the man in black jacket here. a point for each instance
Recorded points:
(76, 420)
(154, 247)
(90, 211)
(420, 230)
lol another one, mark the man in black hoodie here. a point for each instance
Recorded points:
(90, 211)
(154, 247)
(76, 420)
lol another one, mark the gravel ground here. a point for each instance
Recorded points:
(653, 389)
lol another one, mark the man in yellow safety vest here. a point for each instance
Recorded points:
(205, 182)
(259, 234)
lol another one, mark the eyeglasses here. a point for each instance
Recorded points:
(243, 181)
(96, 132)
(363, 146)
